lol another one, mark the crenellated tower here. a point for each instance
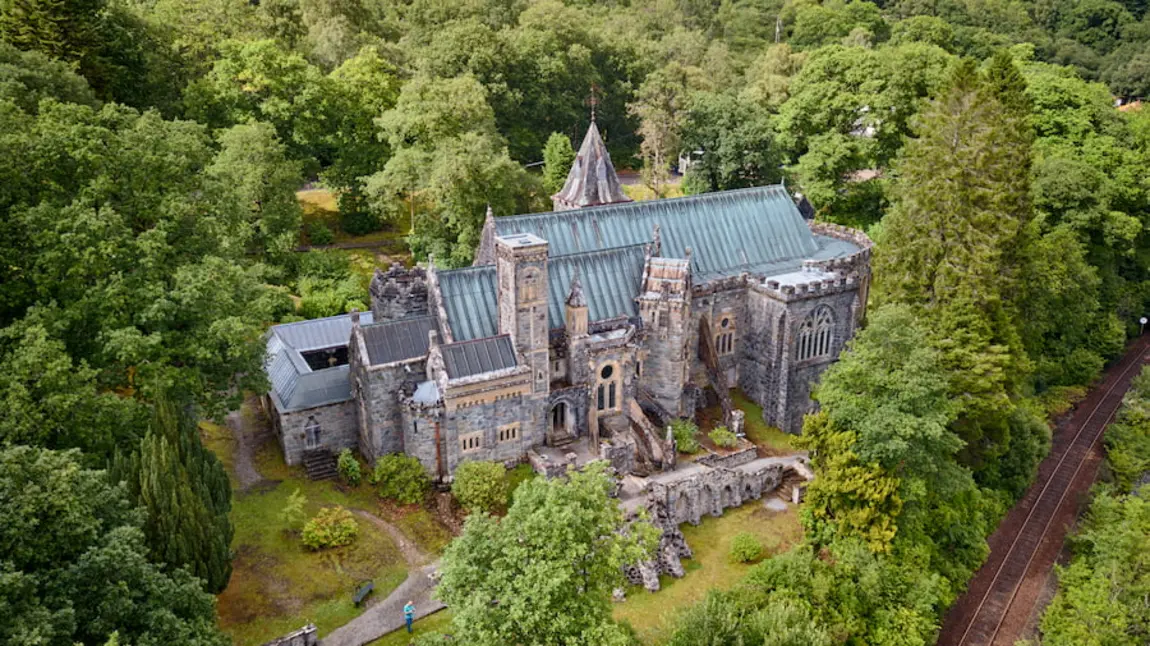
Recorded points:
(521, 271)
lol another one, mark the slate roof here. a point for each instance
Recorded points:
(756, 230)
(592, 179)
(397, 340)
(611, 279)
(477, 356)
(294, 385)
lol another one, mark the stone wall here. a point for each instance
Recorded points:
(306, 636)
(338, 429)
(486, 420)
(398, 293)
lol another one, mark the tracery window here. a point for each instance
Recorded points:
(725, 339)
(816, 334)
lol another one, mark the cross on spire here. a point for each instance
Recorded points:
(593, 101)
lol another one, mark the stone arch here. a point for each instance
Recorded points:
(682, 510)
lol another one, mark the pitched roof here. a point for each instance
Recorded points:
(397, 340)
(592, 180)
(756, 230)
(610, 278)
(477, 356)
(294, 385)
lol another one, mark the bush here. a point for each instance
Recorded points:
(400, 478)
(292, 514)
(319, 234)
(480, 486)
(746, 548)
(349, 467)
(332, 527)
(723, 437)
(684, 431)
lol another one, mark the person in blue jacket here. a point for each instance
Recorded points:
(409, 614)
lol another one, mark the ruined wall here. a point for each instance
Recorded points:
(398, 293)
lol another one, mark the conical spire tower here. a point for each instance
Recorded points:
(592, 180)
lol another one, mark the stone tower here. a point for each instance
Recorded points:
(521, 269)
(398, 293)
(592, 180)
(665, 308)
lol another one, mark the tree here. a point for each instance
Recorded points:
(129, 254)
(558, 155)
(74, 566)
(28, 77)
(953, 249)
(480, 486)
(544, 574)
(449, 165)
(185, 492)
(661, 106)
(252, 167)
(737, 140)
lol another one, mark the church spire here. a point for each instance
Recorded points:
(592, 180)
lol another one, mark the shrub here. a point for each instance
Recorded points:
(480, 486)
(319, 234)
(400, 478)
(685, 431)
(746, 548)
(332, 527)
(348, 467)
(292, 514)
(723, 437)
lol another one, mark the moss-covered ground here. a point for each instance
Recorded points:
(653, 615)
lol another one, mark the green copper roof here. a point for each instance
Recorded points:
(729, 232)
(611, 279)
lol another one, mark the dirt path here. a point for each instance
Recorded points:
(414, 556)
(249, 434)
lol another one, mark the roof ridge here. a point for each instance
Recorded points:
(698, 197)
(591, 252)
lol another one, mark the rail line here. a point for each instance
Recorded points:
(1011, 562)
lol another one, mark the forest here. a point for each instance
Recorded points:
(149, 227)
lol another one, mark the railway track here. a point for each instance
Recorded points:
(992, 611)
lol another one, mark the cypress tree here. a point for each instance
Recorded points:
(185, 491)
(558, 155)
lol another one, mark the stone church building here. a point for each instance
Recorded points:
(579, 332)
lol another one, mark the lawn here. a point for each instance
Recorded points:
(769, 438)
(653, 614)
(277, 585)
(640, 192)
(319, 205)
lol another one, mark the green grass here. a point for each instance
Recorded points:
(640, 192)
(320, 205)
(218, 439)
(770, 438)
(517, 476)
(653, 615)
(278, 586)
(439, 622)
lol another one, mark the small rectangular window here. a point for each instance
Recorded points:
(470, 442)
(509, 433)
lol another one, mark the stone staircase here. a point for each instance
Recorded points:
(718, 379)
(320, 464)
(791, 481)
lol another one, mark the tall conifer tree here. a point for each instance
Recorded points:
(955, 243)
(187, 496)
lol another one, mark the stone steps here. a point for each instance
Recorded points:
(320, 464)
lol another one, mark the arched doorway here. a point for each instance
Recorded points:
(559, 416)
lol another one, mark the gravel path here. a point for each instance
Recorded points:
(247, 431)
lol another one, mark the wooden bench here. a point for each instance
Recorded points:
(362, 591)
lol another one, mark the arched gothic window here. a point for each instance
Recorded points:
(607, 393)
(816, 334)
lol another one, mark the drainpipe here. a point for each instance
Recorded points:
(438, 454)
